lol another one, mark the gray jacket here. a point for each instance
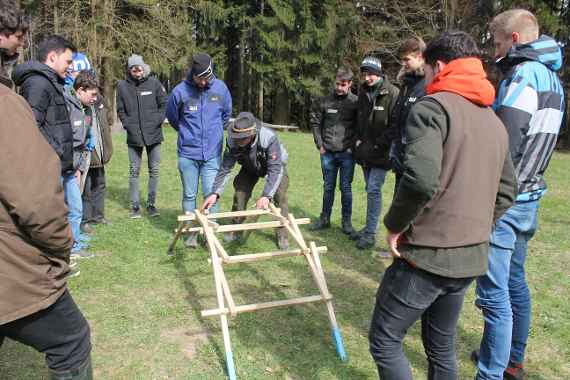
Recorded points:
(81, 122)
(265, 157)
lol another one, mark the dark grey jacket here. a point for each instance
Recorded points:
(333, 121)
(141, 106)
(265, 157)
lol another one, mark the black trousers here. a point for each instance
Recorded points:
(94, 195)
(405, 295)
(60, 332)
(244, 183)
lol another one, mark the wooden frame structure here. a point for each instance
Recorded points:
(219, 257)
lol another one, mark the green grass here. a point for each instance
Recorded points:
(144, 308)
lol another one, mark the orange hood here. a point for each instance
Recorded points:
(465, 77)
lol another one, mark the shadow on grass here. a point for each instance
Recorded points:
(21, 362)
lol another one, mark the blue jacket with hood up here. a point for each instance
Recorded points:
(200, 116)
(530, 102)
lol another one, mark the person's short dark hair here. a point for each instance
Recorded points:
(344, 73)
(412, 45)
(12, 19)
(450, 45)
(86, 80)
(53, 43)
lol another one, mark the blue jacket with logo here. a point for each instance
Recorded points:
(530, 102)
(200, 116)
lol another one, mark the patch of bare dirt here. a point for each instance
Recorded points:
(188, 340)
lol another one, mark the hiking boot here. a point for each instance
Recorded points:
(366, 241)
(514, 371)
(81, 254)
(152, 211)
(135, 213)
(192, 240)
(347, 226)
(320, 224)
(86, 228)
(356, 235)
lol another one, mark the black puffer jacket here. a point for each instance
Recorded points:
(43, 90)
(333, 120)
(413, 88)
(375, 107)
(141, 105)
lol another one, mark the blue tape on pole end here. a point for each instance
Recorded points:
(337, 337)
(230, 364)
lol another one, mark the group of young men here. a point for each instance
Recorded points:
(469, 165)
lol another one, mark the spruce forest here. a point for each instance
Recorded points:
(275, 55)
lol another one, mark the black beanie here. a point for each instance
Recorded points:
(202, 65)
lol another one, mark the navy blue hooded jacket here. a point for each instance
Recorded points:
(200, 116)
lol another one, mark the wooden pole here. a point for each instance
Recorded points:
(263, 305)
(268, 255)
(244, 226)
(222, 215)
(219, 294)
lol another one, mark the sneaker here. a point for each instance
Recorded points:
(514, 371)
(72, 264)
(152, 211)
(73, 272)
(135, 213)
(366, 241)
(86, 228)
(81, 254)
(192, 240)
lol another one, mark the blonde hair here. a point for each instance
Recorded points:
(518, 21)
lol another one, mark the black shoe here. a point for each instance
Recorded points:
(366, 241)
(356, 235)
(320, 224)
(152, 211)
(135, 213)
(347, 227)
(514, 371)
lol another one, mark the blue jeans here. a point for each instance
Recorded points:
(331, 164)
(405, 295)
(374, 178)
(503, 295)
(72, 196)
(192, 171)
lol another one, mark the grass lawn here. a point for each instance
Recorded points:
(144, 307)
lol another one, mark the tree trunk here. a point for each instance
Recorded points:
(281, 106)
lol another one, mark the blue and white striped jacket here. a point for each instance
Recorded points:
(530, 102)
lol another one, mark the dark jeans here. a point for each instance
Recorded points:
(244, 183)
(135, 158)
(94, 195)
(406, 294)
(60, 331)
(331, 164)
